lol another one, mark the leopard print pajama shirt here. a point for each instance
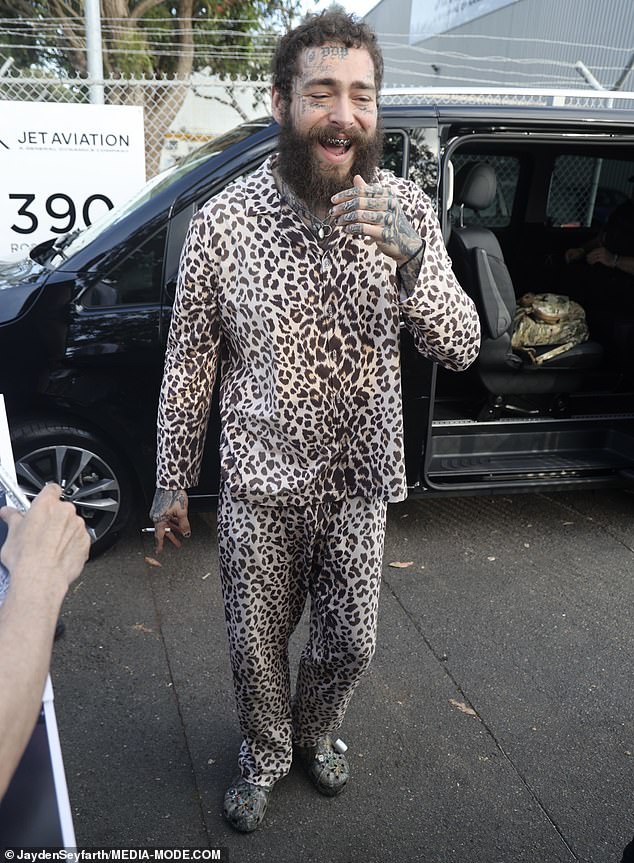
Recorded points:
(307, 337)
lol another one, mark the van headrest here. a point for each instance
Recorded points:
(475, 185)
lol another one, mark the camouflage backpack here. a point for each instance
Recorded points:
(548, 319)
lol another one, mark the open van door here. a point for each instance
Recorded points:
(510, 422)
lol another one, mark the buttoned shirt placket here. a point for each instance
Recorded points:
(327, 302)
(307, 335)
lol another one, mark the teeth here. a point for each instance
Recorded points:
(339, 142)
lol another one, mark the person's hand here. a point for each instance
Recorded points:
(572, 255)
(375, 212)
(48, 545)
(169, 510)
(601, 255)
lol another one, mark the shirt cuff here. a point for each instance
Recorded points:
(406, 291)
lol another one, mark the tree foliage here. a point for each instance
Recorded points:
(146, 36)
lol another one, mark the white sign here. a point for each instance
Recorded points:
(430, 17)
(62, 166)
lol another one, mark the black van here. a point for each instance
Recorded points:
(84, 319)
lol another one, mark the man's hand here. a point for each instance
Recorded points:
(48, 545)
(375, 212)
(45, 549)
(572, 255)
(601, 255)
(169, 510)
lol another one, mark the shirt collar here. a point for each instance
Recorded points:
(263, 196)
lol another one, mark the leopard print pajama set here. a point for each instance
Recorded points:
(307, 336)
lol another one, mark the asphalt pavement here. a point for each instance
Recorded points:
(495, 725)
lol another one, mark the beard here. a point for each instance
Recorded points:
(315, 182)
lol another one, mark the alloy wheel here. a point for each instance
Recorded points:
(86, 479)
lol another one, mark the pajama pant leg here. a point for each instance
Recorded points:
(344, 589)
(270, 558)
(263, 571)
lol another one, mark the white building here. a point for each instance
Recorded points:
(213, 106)
(515, 43)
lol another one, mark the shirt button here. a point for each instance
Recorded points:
(330, 310)
(325, 264)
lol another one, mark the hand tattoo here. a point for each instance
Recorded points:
(169, 514)
(376, 212)
(164, 500)
(399, 233)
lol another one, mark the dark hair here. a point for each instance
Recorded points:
(316, 31)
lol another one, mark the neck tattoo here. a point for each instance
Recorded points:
(321, 228)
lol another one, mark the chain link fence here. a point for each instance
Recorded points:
(584, 190)
(179, 114)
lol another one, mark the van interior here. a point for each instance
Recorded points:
(518, 203)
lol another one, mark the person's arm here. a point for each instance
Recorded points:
(580, 252)
(441, 317)
(190, 370)
(625, 264)
(44, 551)
(612, 261)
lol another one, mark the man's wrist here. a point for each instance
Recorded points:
(413, 256)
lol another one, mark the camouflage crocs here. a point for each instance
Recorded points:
(245, 805)
(327, 768)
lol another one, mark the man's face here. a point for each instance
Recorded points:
(330, 129)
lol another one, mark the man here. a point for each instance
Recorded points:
(44, 551)
(601, 276)
(614, 246)
(296, 277)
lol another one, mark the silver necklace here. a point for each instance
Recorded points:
(321, 228)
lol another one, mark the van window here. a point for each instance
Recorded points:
(584, 190)
(155, 187)
(423, 160)
(393, 152)
(137, 279)
(507, 172)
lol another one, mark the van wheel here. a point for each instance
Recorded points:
(91, 474)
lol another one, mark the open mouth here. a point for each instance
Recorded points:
(337, 146)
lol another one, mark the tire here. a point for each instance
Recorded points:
(92, 475)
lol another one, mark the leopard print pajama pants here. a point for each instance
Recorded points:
(271, 559)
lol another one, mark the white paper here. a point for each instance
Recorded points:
(6, 459)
